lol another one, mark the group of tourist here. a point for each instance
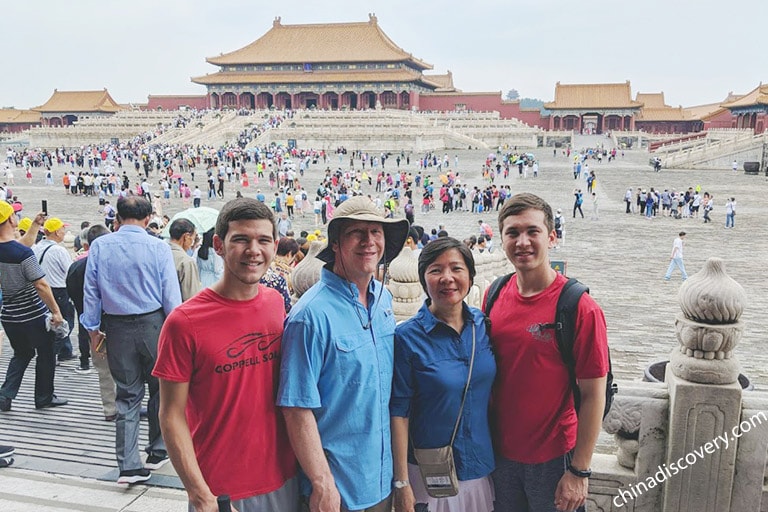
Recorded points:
(690, 204)
(363, 407)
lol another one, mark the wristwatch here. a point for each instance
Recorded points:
(579, 473)
(400, 484)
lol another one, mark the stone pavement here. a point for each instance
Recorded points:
(621, 257)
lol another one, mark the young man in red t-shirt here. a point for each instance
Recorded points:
(544, 450)
(218, 363)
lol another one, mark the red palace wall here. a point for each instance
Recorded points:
(174, 102)
(16, 127)
(480, 103)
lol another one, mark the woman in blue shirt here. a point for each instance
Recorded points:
(432, 358)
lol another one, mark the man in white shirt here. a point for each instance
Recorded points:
(676, 260)
(55, 261)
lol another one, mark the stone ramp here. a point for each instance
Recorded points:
(70, 440)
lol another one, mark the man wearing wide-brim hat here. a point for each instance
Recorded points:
(336, 371)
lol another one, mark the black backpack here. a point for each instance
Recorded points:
(565, 327)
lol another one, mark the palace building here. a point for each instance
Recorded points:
(65, 107)
(593, 108)
(325, 66)
(750, 110)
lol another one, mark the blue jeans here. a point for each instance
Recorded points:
(729, 218)
(27, 339)
(676, 262)
(528, 487)
(131, 353)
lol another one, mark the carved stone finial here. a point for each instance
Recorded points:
(307, 273)
(404, 285)
(709, 328)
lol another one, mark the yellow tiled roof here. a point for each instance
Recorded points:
(581, 96)
(651, 100)
(702, 112)
(444, 82)
(79, 101)
(323, 42)
(663, 114)
(757, 96)
(15, 116)
(383, 75)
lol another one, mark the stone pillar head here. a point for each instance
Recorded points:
(709, 327)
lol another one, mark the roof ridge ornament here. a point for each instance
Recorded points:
(372, 18)
(276, 22)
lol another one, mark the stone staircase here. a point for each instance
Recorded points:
(715, 154)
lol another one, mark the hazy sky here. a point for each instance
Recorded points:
(694, 51)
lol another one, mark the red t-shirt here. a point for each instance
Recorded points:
(229, 352)
(534, 418)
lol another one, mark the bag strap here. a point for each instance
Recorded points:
(40, 261)
(466, 386)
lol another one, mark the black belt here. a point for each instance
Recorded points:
(131, 317)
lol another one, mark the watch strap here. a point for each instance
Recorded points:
(580, 473)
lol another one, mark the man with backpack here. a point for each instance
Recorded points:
(548, 413)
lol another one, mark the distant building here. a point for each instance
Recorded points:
(331, 65)
(15, 121)
(176, 102)
(657, 117)
(750, 110)
(65, 107)
(593, 108)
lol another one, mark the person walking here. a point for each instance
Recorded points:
(676, 260)
(128, 318)
(55, 260)
(27, 300)
(337, 364)
(75, 283)
(730, 213)
(577, 202)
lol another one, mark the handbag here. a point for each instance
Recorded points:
(436, 465)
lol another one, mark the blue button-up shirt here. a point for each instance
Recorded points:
(431, 370)
(128, 273)
(343, 372)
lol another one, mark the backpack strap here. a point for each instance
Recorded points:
(493, 292)
(565, 330)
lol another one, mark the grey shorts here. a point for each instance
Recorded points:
(285, 499)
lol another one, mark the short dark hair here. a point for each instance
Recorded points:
(134, 207)
(287, 246)
(518, 203)
(435, 248)
(682, 233)
(244, 208)
(181, 227)
(95, 232)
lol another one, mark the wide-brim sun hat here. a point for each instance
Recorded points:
(361, 208)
